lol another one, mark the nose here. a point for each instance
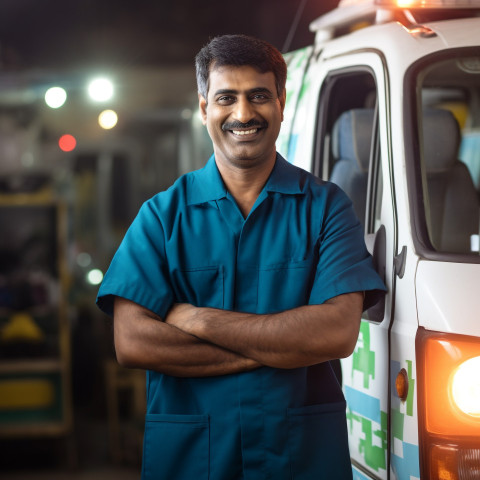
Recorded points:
(243, 110)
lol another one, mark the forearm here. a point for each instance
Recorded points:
(143, 340)
(294, 338)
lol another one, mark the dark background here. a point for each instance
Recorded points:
(147, 48)
(52, 33)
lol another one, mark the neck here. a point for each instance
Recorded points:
(245, 184)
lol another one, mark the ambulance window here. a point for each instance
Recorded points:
(448, 116)
(346, 139)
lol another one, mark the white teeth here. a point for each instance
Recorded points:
(244, 132)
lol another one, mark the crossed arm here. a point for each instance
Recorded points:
(198, 342)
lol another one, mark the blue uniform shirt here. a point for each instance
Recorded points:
(301, 244)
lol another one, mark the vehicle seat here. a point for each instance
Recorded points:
(454, 208)
(469, 153)
(351, 145)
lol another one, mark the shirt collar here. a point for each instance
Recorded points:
(284, 178)
(207, 184)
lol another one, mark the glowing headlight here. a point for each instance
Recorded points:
(466, 387)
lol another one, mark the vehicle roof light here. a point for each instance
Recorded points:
(351, 13)
(451, 4)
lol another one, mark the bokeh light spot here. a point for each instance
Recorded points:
(67, 143)
(108, 119)
(95, 277)
(55, 97)
(100, 89)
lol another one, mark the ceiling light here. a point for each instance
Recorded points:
(100, 89)
(55, 97)
(67, 142)
(108, 119)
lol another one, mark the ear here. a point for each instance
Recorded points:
(282, 99)
(202, 104)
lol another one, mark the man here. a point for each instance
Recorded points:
(235, 288)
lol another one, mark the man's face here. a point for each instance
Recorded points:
(243, 114)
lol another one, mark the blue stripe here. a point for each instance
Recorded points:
(363, 404)
(407, 466)
(358, 475)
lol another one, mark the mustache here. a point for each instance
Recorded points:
(236, 125)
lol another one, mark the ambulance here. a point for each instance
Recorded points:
(386, 103)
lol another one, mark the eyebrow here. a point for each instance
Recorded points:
(227, 91)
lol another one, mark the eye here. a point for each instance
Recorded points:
(225, 100)
(260, 98)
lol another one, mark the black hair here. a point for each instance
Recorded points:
(238, 51)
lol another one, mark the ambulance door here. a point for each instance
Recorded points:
(353, 151)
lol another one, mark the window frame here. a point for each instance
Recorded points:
(413, 161)
(324, 135)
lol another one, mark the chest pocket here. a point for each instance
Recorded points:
(202, 286)
(283, 286)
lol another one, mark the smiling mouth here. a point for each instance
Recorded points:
(244, 132)
(239, 129)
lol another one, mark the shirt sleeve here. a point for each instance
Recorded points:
(344, 263)
(138, 271)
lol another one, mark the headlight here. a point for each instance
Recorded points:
(448, 380)
(466, 387)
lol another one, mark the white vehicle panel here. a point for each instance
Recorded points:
(384, 437)
(402, 48)
(451, 305)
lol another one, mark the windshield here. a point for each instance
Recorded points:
(448, 94)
